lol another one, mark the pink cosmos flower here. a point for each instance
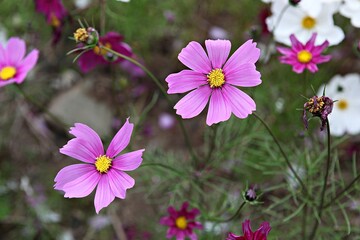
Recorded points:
(304, 56)
(55, 13)
(181, 223)
(106, 171)
(215, 77)
(13, 66)
(260, 234)
(97, 56)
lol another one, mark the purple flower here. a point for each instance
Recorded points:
(97, 56)
(106, 171)
(304, 56)
(248, 234)
(55, 13)
(13, 66)
(181, 223)
(214, 78)
(319, 107)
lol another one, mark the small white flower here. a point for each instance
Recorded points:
(351, 9)
(345, 116)
(81, 4)
(304, 20)
(123, 0)
(218, 33)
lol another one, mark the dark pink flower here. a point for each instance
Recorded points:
(14, 66)
(304, 56)
(98, 56)
(248, 234)
(55, 13)
(181, 223)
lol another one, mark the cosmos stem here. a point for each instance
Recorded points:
(323, 191)
(283, 153)
(158, 84)
(232, 217)
(56, 120)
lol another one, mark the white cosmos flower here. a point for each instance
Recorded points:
(303, 20)
(81, 4)
(351, 9)
(345, 116)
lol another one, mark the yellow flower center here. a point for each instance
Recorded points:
(103, 163)
(55, 22)
(342, 104)
(100, 51)
(308, 22)
(7, 73)
(81, 35)
(181, 223)
(304, 56)
(216, 78)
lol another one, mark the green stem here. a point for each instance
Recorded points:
(164, 166)
(212, 143)
(347, 188)
(323, 191)
(283, 153)
(157, 82)
(57, 121)
(230, 218)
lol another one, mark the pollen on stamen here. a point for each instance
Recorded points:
(103, 163)
(308, 22)
(304, 56)
(216, 78)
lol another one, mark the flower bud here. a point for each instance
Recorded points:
(294, 2)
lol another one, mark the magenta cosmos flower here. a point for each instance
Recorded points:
(304, 56)
(248, 234)
(104, 170)
(55, 13)
(13, 66)
(97, 56)
(215, 77)
(53, 10)
(181, 223)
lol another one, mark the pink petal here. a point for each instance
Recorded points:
(88, 61)
(310, 44)
(247, 229)
(193, 236)
(172, 231)
(319, 49)
(15, 50)
(167, 221)
(29, 61)
(241, 104)
(295, 43)
(299, 67)
(119, 182)
(91, 139)
(128, 161)
(4, 83)
(312, 67)
(194, 57)
(77, 148)
(83, 185)
(121, 139)
(219, 109)
(246, 53)
(193, 103)
(185, 81)
(286, 51)
(321, 59)
(104, 196)
(70, 173)
(218, 51)
(244, 76)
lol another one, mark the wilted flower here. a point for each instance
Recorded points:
(302, 56)
(215, 77)
(106, 171)
(319, 107)
(13, 66)
(344, 90)
(248, 234)
(181, 223)
(55, 13)
(99, 56)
